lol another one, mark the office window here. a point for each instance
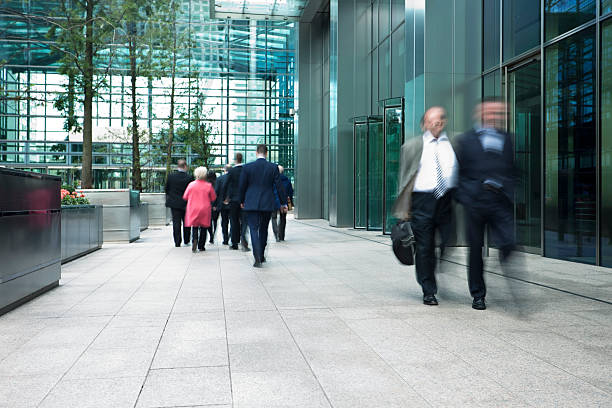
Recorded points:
(490, 33)
(521, 26)
(562, 16)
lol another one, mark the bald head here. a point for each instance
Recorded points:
(434, 120)
(281, 169)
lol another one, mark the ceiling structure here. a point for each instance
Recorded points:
(257, 9)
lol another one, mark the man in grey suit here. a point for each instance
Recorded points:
(428, 173)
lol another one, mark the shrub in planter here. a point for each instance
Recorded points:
(73, 198)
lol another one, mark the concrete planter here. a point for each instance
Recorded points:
(82, 230)
(144, 216)
(121, 213)
(159, 214)
(30, 223)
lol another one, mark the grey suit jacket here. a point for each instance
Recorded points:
(410, 160)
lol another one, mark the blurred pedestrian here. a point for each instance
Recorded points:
(199, 196)
(288, 189)
(257, 184)
(211, 177)
(275, 214)
(176, 184)
(231, 196)
(428, 173)
(221, 206)
(487, 179)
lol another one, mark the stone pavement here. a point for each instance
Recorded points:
(332, 320)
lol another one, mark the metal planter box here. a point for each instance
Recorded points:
(144, 216)
(121, 213)
(30, 222)
(159, 214)
(82, 230)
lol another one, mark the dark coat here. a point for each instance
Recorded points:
(476, 165)
(231, 187)
(287, 186)
(175, 188)
(219, 188)
(257, 184)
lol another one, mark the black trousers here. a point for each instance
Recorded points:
(178, 219)
(225, 225)
(258, 224)
(199, 237)
(236, 220)
(213, 225)
(428, 215)
(495, 211)
(279, 228)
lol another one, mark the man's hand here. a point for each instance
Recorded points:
(241, 205)
(214, 208)
(226, 201)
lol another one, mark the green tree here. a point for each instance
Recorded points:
(196, 133)
(81, 31)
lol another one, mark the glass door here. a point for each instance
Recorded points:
(524, 103)
(394, 137)
(376, 170)
(360, 134)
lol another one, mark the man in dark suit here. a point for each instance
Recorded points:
(175, 187)
(231, 194)
(221, 206)
(288, 187)
(487, 178)
(257, 183)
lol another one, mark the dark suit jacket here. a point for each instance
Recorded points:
(287, 186)
(175, 187)
(257, 184)
(219, 188)
(476, 165)
(231, 187)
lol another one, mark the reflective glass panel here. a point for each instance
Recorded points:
(521, 26)
(570, 201)
(361, 170)
(606, 6)
(524, 103)
(375, 175)
(606, 144)
(393, 145)
(563, 15)
(490, 33)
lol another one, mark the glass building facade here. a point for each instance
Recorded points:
(242, 71)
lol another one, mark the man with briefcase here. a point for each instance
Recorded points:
(428, 173)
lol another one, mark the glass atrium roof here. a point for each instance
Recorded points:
(257, 9)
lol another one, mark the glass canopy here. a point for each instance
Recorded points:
(257, 9)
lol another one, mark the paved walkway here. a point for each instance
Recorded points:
(331, 321)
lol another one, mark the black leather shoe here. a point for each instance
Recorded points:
(225, 243)
(234, 247)
(177, 245)
(211, 241)
(479, 304)
(257, 264)
(202, 249)
(430, 300)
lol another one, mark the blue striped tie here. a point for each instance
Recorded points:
(440, 188)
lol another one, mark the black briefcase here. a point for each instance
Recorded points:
(403, 242)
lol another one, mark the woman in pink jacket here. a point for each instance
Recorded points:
(199, 195)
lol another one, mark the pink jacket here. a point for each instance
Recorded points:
(199, 195)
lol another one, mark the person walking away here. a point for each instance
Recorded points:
(288, 187)
(428, 173)
(199, 196)
(221, 206)
(211, 177)
(257, 183)
(176, 184)
(231, 194)
(487, 178)
(275, 213)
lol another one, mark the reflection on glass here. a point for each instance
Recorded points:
(361, 171)
(570, 200)
(491, 84)
(606, 6)
(606, 144)
(375, 175)
(521, 26)
(490, 34)
(393, 145)
(562, 16)
(524, 102)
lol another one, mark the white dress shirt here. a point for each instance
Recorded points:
(426, 179)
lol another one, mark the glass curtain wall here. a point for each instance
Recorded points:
(360, 130)
(241, 71)
(571, 77)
